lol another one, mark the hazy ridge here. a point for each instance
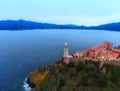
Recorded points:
(23, 25)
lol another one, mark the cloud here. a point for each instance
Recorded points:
(81, 20)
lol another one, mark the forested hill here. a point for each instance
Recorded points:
(24, 25)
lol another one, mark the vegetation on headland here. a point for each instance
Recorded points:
(85, 76)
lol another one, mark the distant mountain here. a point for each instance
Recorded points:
(23, 25)
(70, 25)
(109, 26)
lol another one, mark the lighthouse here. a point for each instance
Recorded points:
(66, 55)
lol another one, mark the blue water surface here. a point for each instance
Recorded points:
(24, 51)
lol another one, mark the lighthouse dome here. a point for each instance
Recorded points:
(65, 43)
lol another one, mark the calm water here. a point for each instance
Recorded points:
(23, 51)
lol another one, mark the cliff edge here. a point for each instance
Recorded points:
(85, 76)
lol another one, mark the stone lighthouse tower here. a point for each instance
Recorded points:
(66, 55)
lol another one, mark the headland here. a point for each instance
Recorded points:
(94, 69)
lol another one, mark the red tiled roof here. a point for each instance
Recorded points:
(116, 50)
(104, 49)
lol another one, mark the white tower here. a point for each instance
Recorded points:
(65, 50)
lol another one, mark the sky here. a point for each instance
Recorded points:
(80, 12)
